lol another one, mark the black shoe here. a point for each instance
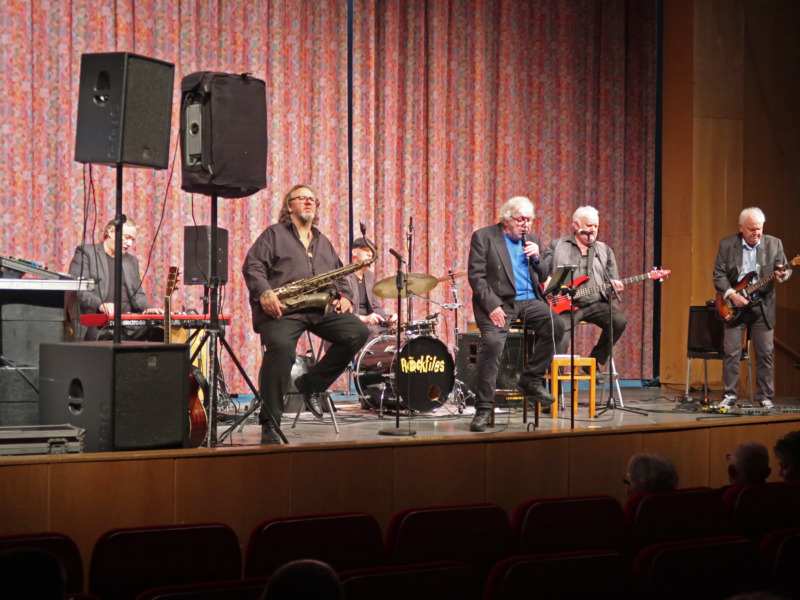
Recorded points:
(269, 434)
(536, 392)
(546, 410)
(310, 397)
(481, 420)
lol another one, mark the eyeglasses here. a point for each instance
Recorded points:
(626, 481)
(304, 199)
(523, 220)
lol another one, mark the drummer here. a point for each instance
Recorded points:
(365, 305)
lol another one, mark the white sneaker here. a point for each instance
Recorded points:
(767, 404)
(728, 401)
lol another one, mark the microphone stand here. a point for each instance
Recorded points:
(401, 282)
(610, 369)
(565, 273)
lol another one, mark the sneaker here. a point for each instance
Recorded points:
(728, 401)
(767, 404)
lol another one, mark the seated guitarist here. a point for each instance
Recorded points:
(596, 261)
(743, 257)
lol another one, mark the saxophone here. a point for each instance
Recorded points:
(302, 294)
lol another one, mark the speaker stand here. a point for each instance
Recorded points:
(213, 335)
(119, 221)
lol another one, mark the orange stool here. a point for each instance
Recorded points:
(555, 376)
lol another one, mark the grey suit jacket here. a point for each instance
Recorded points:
(491, 275)
(729, 261)
(90, 261)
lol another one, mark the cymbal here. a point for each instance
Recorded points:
(418, 284)
(455, 275)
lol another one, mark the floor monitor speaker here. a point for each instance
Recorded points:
(130, 396)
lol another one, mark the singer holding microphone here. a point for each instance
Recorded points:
(504, 273)
(595, 260)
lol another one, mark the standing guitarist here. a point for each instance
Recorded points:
(743, 257)
(596, 261)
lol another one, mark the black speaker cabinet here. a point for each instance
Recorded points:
(705, 331)
(130, 396)
(511, 360)
(223, 134)
(124, 110)
(197, 255)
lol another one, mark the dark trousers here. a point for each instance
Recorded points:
(346, 335)
(537, 317)
(597, 314)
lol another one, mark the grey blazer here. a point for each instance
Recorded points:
(729, 261)
(90, 261)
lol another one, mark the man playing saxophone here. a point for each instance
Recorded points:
(294, 251)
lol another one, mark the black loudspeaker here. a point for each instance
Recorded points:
(124, 110)
(131, 396)
(511, 360)
(223, 134)
(706, 330)
(197, 255)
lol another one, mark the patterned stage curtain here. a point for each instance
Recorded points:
(458, 105)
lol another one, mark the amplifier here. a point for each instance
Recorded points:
(511, 360)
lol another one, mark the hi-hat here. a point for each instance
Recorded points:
(450, 276)
(418, 284)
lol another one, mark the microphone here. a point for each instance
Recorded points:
(394, 253)
(530, 258)
(411, 224)
(588, 234)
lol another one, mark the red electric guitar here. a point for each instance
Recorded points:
(727, 311)
(197, 414)
(561, 304)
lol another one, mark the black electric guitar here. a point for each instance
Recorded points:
(727, 311)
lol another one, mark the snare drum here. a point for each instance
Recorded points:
(421, 375)
(425, 327)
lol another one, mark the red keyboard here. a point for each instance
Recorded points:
(136, 320)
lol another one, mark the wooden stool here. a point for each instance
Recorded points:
(555, 376)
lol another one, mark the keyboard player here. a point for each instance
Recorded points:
(96, 261)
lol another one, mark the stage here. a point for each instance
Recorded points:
(241, 482)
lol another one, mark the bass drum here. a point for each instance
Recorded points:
(421, 376)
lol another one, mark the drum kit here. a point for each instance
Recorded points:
(420, 375)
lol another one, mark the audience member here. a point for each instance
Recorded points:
(650, 473)
(302, 580)
(787, 451)
(748, 463)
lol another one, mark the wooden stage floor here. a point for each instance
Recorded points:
(640, 406)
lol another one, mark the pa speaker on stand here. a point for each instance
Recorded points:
(224, 154)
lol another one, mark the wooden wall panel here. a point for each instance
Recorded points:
(445, 474)
(89, 498)
(239, 490)
(718, 65)
(359, 480)
(518, 470)
(687, 448)
(598, 462)
(676, 187)
(23, 499)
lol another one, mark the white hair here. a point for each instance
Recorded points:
(585, 211)
(752, 212)
(517, 204)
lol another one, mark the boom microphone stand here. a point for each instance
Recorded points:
(401, 282)
(611, 371)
